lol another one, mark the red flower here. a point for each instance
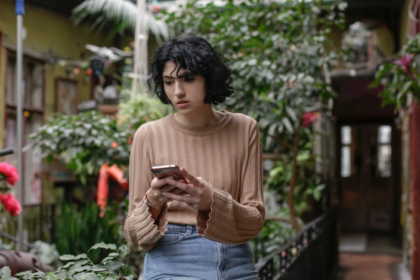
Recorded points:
(156, 8)
(11, 204)
(10, 172)
(114, 145)
(406, 62)
(308, 118)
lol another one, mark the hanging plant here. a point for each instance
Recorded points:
(400, 78)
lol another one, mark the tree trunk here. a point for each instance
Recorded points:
(293, 181)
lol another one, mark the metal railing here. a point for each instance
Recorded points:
(311, 255)
(39, 221)
(39, 224)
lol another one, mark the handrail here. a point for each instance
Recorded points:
(264, 261)
(14, 239)
(300, 248)
(7, 151)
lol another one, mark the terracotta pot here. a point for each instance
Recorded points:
(20, 261)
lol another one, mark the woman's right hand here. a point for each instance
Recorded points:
(155, 193)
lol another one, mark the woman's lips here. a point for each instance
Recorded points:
(182, 104)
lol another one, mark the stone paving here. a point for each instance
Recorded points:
(368, 266)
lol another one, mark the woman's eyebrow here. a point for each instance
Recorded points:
(170, 77)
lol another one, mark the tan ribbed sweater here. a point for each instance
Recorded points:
(228, 155)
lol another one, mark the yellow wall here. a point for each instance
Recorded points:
(46, 32)
(385, 41)
(404, 24)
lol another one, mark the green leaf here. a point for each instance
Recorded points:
(303, 156)
(342, 6)
(92, 276)
(98, 268)
(252, 62)
(126, 270)
(81, 263)
(111, 266)
(6, 273)
(110, 257)
(102, 245)
(24, 273)
(73, 258)
(81, 269)
(50, 276)
(124, 249)
(288, 125)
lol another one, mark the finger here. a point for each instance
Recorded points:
(179, 192)
(183, 193)
(176, 191)
(182, 186)
(167, 188)
(159, 183)
(181, 198)
(193, 180)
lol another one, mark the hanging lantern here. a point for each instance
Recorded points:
(97, 63)
(84, 65)
(76, 71)
(69, 71)
(62, 63)
(89, 72)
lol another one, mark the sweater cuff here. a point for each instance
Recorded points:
(140, 229)
(207, 222)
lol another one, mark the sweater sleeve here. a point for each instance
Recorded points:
(236, 222)
(140, 230)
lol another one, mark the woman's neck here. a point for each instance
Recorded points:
(203, 118)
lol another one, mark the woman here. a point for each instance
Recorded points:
(198, 229)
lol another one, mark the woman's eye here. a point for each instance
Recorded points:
(190, 80)
(168, 82)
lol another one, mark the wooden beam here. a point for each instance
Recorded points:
(415, 189)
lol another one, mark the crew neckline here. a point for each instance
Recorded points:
(172, 121)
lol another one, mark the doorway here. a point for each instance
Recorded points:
(366, 177)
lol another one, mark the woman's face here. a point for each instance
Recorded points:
(186, 96)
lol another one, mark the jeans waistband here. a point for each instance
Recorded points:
(182, 228)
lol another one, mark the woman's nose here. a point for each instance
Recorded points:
(179, 89)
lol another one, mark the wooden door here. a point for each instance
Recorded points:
(365, 177)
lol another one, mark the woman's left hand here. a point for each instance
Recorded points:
(200, 191)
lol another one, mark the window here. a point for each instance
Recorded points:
(33, 105)
(33, 83)
(384, 151)
(346, 151)
(11, 81)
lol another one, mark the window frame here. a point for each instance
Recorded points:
(32, 110)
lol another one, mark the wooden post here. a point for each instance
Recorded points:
(140, 70)
(415, 188)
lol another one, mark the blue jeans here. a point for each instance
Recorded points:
(183, 255)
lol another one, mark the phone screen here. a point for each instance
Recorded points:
(168, 171)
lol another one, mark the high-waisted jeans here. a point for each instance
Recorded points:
(183, 255)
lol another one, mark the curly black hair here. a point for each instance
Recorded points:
(198, 58)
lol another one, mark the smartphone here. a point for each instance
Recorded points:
(168, 171)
